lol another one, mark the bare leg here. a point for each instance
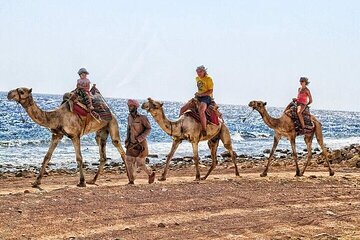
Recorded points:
(76, 143)
(196, 159)
(101, 137)
(213, 145)
(276, 141)
(226, 139)
(299, 111)
(293, 147)
(202, 109)
(55, 138)
(186, 107)
(174, 146)
(140, 162)
(308, 140)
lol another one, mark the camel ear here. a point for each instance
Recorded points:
(161, 104)
(265, 103)
(30, 90)
(150, 100)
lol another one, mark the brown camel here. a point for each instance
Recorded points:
(284, 127)
(62, 121)
(187, 128)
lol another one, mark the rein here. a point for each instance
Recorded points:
(244, 119)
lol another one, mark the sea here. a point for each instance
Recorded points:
(23, 143)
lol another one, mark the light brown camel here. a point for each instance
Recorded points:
(187, 128)
(62, 121)
(284, 127)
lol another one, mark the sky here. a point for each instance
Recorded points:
(253, 49)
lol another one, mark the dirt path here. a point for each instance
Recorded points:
(223, 207)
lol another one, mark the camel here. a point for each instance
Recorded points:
(187, 128)
(284, 127)
(62, 121)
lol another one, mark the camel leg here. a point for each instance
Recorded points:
(293, 147)
(115, 137)
(276, 141)
(213, 145)
(79, 160)
(196, 160)
(226, 140)
(54, 142)
(320, 140)
(174, 146)
(100, 138)
(308, 140)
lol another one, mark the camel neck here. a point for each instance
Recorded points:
(38, 116)
(270, 121)
(171, 128)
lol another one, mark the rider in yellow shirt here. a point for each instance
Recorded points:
(204, 95)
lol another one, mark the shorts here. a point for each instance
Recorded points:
(205, 99)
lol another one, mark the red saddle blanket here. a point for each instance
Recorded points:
(210, 114)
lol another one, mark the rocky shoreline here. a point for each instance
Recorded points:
(347, 157)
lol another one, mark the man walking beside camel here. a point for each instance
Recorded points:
(136, 146)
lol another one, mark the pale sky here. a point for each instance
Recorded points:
(135, 49)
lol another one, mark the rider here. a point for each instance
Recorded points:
(203, 95)
(303, 99)
(83, 84)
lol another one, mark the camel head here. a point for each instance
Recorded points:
(22, 96)
(257, 105)
(152, 106)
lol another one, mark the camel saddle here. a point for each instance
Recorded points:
(77, 101)
(213, 116)
(291, 111)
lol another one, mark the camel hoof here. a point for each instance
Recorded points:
(263, 174)
(162, 179)
(83, 184)
(91, 182)
(331, 173)
(203, 178)
(237, 174)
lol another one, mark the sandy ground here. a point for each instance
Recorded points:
(279, 206)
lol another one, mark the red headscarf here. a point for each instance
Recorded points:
(133, 102)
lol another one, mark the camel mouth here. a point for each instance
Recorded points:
(143, 106)
(10, 96)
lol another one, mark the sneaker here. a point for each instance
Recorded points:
(152, 178)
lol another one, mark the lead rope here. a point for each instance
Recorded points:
(22, 118)
(244, 119)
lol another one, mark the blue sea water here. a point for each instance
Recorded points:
(26, 143)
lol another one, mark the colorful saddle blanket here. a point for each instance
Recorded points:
(211, 115)
(100, 107)
(292, 113)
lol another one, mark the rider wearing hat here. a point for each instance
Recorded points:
(204, 95)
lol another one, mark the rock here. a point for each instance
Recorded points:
(147, 160)
(267, 151)
(161, 225)
(225, 154)
(19, 211)
(354, 162)
(177, 159)
(153, 156)
(19, 174)
(26, 191)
